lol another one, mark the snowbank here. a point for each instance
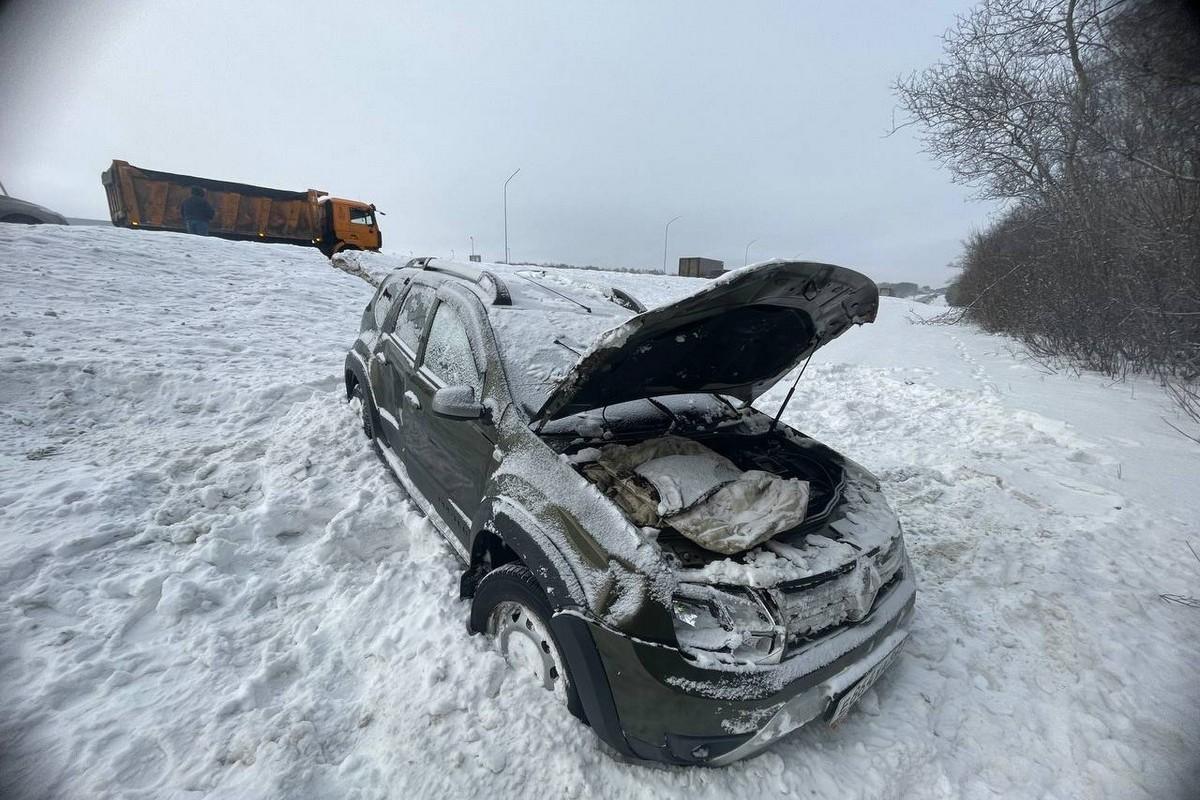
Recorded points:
(212, 589)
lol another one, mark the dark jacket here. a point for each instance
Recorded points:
(196, 208)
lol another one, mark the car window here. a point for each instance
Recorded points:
(411, 321)
(383, 304)
(448, 351)
(362, 216)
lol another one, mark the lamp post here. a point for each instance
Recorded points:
(510, 177)
(666, 232)
(746, 259)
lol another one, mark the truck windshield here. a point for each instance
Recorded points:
(362, 216)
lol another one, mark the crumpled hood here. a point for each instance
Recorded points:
(737, 337)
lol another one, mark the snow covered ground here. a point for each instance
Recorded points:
(211, 588)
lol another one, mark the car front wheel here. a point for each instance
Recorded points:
(510, 607)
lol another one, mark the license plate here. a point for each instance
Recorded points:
(852, 695)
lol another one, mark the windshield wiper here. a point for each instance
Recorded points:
(555, 291)
(558, 340)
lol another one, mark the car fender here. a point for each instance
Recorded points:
(521, 533)
(356, 365)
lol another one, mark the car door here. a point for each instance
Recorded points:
(396, 361)
(448, 459)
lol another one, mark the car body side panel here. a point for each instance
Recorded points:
(394, 363)
(450, 460)
(452, 456)
(612, 560)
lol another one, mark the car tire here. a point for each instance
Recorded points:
(365, 412)
(22, 219)
(511, 608)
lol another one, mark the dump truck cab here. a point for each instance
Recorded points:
(349, 225)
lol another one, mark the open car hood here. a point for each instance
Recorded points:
(737, 337)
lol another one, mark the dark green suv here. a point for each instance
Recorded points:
(692, 577)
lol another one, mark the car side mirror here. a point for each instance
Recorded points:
(457, 402)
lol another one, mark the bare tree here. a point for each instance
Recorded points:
(1085, 114)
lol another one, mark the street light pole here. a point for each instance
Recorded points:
(510, 177)
(746, 260)
(666, 232)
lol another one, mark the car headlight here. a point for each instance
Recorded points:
(732, 626)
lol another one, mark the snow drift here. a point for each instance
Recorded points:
(211, 588)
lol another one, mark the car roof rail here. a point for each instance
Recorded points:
(500, 294)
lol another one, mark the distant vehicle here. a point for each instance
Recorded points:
(142, 198)
(692, 578)
(25, 212)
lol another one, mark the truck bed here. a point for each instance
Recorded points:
(142, 198)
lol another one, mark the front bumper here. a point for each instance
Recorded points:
(648, 701)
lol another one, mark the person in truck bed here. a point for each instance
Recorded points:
(197, 212)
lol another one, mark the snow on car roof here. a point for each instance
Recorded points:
(546, 329)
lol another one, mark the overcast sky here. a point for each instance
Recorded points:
(750, 121)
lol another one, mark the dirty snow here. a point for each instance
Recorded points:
(212, 589)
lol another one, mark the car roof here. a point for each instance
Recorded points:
(519, 287)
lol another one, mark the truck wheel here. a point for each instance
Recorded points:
(510, 607)
(22, 219)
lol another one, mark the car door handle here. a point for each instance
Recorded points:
(412, 399)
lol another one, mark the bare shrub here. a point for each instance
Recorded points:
(1083, 115)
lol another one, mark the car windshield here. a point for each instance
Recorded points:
(538, 347)
(549, 324)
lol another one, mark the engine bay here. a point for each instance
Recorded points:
(714, 496)
(679, 483)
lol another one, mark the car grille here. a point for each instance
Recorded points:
(811, 609)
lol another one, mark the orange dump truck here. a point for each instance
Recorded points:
(143, 198)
